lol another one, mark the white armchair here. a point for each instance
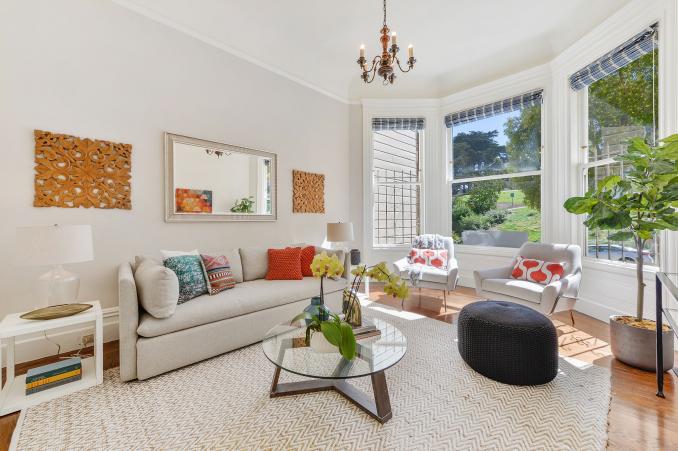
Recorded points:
(430, 277)
(557, 296)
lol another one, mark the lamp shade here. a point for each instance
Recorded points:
(339, 232)
(53, 245)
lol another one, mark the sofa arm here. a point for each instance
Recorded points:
(128, 322)
(494, 273)
(568, 287)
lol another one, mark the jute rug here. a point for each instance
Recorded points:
(438, 403)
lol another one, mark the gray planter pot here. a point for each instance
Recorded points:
(637, 347)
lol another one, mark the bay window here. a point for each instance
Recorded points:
(618, 93)
(495, 170)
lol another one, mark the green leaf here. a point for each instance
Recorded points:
(621, 236)
(348, 343)
(668, 139)
(300, 316)
(332, 332)
(608, 182)
(579, 205)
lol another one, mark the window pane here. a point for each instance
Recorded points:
(397, 195)
(623, 105)
(396, 214)
(503, 213)
(501, 144)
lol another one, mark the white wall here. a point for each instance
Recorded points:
(95, 69)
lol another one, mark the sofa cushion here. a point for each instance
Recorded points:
(254, 263)
(189, 271)
(158, 287)
(522, 289)
(284, 264)
(245, 298)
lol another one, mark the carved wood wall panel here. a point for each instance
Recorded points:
(73, 172)
(308, 192)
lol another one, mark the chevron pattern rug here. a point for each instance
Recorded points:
(438, 403)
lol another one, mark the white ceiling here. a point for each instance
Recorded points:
(458, 43)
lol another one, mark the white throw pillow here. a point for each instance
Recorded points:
(157, 286)
(168, 254)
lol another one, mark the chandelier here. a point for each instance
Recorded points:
(385, 64)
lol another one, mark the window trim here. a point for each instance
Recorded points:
(373, 184)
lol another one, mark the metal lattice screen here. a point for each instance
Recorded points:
(397, 187)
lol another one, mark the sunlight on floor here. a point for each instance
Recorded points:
(579, 348)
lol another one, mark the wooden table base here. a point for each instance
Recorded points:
(379, 409)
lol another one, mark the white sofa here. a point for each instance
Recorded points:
(211, 325)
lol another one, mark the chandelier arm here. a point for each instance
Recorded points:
(409, 68)
(375, 60)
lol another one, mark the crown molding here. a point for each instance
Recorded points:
(164, 20)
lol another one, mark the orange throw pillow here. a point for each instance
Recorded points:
(284, 264)
(307, 256)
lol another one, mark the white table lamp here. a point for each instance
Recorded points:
(339, 232)
(54, 246)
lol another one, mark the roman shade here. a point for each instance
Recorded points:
(639, 45)
(491, 109)
(397, 123)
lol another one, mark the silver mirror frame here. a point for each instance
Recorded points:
(172, 216)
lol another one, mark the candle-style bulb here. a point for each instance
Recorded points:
(410, 50)
(362, 50)
(393, 38)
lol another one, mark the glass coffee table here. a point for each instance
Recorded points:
(284, 346)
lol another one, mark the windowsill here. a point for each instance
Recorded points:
(617, 267)
(492, 251)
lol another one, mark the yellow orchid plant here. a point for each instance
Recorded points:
(324, 265)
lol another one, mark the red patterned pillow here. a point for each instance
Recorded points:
(431, 257)
(307, 255)
(217, 273)
(537, 270)
(284, 264)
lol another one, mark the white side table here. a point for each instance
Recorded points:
(13, 395)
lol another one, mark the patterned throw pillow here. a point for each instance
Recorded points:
(284, 264)
(188, 269)
(307, 255)
(430, 257)
(217, 273)
(537, 270)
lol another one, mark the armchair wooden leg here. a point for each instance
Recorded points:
(572, 317)
(445, 299)
(419, 297)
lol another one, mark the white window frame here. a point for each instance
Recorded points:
(419, 183)
(449, 169)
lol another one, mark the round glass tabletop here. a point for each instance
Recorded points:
(285, 347)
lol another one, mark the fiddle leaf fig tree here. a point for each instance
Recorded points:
(638, 205)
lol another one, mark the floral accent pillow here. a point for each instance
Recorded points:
(191, 275)
(430, 257)
(537, 271)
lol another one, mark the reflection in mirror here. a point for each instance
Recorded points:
(213, 181)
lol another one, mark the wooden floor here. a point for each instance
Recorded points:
(638, 420)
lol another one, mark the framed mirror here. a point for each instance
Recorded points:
(211, 181)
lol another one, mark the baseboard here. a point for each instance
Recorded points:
(596, 310)
(34, 346)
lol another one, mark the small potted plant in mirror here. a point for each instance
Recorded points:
(636, 207)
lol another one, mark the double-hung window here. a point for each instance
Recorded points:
(618, 99)
(495, 170)
(396, 180)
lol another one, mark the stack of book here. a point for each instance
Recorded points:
(367, 330)
(53, 375)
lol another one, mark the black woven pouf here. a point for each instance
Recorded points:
(508, 342)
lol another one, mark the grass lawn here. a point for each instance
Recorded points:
(523, 220)
(505, 198)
